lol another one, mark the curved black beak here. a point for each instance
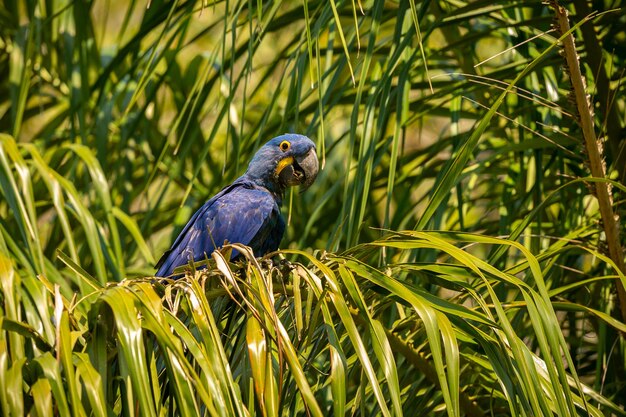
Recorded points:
(309, 166)
(302, 170)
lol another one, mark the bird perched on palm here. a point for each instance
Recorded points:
(248, 210)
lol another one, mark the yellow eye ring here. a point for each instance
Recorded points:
(284, 145)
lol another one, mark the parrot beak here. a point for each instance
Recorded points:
(301, 170)
(307, 166)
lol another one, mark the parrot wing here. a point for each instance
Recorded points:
(241, 213)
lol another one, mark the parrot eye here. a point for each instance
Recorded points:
(284, 146)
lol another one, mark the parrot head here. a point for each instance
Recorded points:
(285, 161)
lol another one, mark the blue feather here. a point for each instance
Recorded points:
(247, 211)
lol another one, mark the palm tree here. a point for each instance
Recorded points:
(458, 254)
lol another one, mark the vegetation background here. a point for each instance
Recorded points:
(459, 254)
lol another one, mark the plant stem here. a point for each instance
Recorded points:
(605, 94)
(594, 153)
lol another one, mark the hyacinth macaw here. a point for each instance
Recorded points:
(248, 210)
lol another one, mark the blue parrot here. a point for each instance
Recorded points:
(248, 210)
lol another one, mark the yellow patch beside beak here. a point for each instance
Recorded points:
(284, 163)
